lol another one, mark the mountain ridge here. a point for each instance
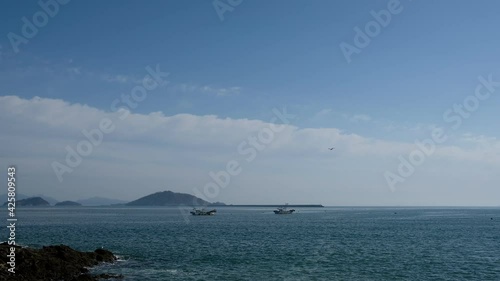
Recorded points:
(30, 202)
(67, 204)
(170, 198)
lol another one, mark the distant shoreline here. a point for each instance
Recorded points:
(274, 206)
(256, 206)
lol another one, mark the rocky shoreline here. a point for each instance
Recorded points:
(58, 262)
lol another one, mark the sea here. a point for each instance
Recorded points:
(243, 243)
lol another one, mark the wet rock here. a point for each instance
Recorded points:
(58, 262)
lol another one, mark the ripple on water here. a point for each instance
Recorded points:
(254, 244)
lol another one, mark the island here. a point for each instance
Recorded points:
(169, 198)
(67, 204)
(31, 202)
(58, 262)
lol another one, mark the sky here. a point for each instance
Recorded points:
(238, 101)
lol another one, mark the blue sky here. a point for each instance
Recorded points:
(265, 54)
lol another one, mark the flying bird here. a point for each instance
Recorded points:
(331, 148)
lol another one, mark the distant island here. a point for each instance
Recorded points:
(20, 196)
(93, 201)
(100, 201)
(67, 204)
(162, 198)
(31, 202)
(169, 198)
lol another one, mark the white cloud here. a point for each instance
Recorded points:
(74, 70)
(360, 118)
(327, 112)
(220, 92)
(61, 69)
(119, 78)
(323, 113)
(151, 152)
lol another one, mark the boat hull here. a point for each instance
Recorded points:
(280, 212)
(203, 213)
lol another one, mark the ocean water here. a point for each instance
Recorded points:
(255, 244)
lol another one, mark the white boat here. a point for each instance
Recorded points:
(283, 210)
(202, 212)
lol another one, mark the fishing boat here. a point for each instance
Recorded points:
(202, 212)
(284, 210)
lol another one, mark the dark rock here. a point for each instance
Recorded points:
(53, 263)
(102, 255)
